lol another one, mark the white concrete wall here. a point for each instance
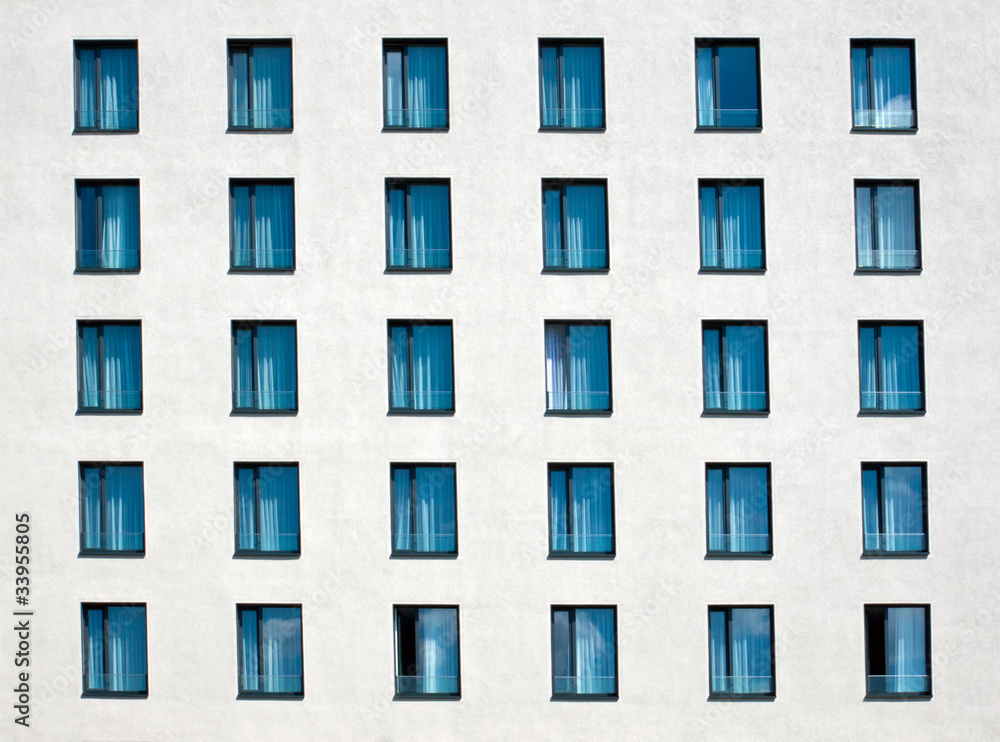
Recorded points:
(498, 300)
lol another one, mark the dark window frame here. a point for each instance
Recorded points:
(879, 467)
(397, 650)
(730, 695)
(718, 184)
(403, 44)
(715, 42)
(568, 468)
(412, 466)
(252, 184)
(409, 324)
(404, 185)
(102, 382)
(256, 466)
(243, 324)
(242, 694)
(560, 184)
(877, 325)
(867, 45)
(870, 608)
(97, 46)
(99, 183)
(102, 466)
(721, 325)
(557, 411)
(874, 184)
(725, 467)
(559, 43)
(249, 44)
(84, 607)
(571, 609)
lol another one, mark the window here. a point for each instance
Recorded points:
(732, 225)
(892, 366)
(110, 366)
(415, 79)
(888, 233)
(741, 651)
(728, 83)
(882, 82)
(267, 509)
(111, 509)
(423, 510)
(572, 83)
(895, 508)
(114, 649)
(898, 645)
(260, 85)
(578, 366)
(427, 661)
(107, 86)
(739, 509)
(584, 656)
(270, 650)
(420, 367)
(581, 510)
(735, 359)
(575, 214)
(107, 225)
(264, 367)
(417, 225)
(262, 226)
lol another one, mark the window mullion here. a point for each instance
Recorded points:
(258, 509)
(570, 500)
(725, 508)
(251, 104)
(410, 370)
(720, 244)
(251, 227)
(102, 502)
(873, 195)
(98, 103)
(561, 85)
(564, 220)
(413, 505)
(408, 238)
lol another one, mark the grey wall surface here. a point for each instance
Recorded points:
(498, 299)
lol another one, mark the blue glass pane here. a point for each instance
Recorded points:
(738, 92)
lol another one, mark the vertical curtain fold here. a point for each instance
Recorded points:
(244, 368)
(437, 650)
(559, 513)
(86, 113)
(94, 649)
(750, 630)
(247, 505)
(869, 369)
(870, 509)
(859, 86)
(905, 647)
(715, 491)
(718, 651)
(281, 649)
(274, 225)
(396, 226)
(429, 226)
(120, 231)
(556, 372)
(249, 650)
(402, 510)
(426, 86)
(744, 368)
(122, 364)
(127, 648)
(432, 367)
(891, 103)
(867, 256)
(707, 108)
(711, 343)
(92, 524)
(555, 255)
(119, 88)
(123, 519)
(741, 227)
(399, 346)
(239, 88)
(895, 227)
(243, 253)
(394, 88)
(90, 362)
(900, 367)
(279, 508)
(272, 87)
(902, 508)
(748, 516)
(435, 503)
(591, 511)
(276, 367)
(550, 86)
(589, 373)
(711, 253)
(582, 87)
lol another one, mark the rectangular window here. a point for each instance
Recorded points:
(728, 83)
(267, 509)
(107, 225)
(584, 656)
(418, 224)
(581, 510)
(109, 369)
(741, 651)
(575, 216)
(735, 357)
(892, 366)
(888, 228)
(262, 225)
(107, 85)
(898, 644)
(260, 85)
(578, 366)
(883, 85)
(415, 84)
(895, 508)
(270, 650)
(421, 378)
(739, 509)
(427, 651)
(264, 367)
(732, 224)
(111, 509)
(572, 83)
(114, 649)
(423, 510)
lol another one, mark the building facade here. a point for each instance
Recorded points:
(548, 370)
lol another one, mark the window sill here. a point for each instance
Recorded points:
(584, 697)
(427, 697)
(881, 130)
(895, 554)
(267, 271)
(259, 130)
(135, 695)
(729, 697)
(103, 271)
(738, 271)
(283, 555)
(77, 131)
(403, 412)
(586, 271)
(104, 554)
(104, 411)
(733, 129)
(892, 413)
(416, 129)
(889, 271)
(578, 413)
(739, 555)
(574, 555)
(245, 696)
(898, 697)
(736, 413)
(574, 129)
(248, 412)
(423, 555)
(408, 269)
